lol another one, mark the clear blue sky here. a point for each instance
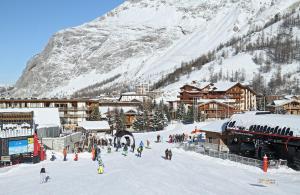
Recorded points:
(27, 25)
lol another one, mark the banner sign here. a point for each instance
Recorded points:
(18, 146)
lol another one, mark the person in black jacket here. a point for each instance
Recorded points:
(167, 154)
(43, 175)
(170, 154)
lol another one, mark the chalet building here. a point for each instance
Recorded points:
(239, 97)
(130, 110)
(215, 109)
(285, 106)
(71, 111)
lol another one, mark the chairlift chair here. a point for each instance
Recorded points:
(287, 132)
(250, 128)
(282, 131)
(257, 128)
(268, 130)
(279, 131)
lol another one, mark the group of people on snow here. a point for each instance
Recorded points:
(96, 151)
(176, 138)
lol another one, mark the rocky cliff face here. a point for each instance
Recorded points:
(142, 40)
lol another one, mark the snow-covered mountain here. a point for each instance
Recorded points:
(143, 40)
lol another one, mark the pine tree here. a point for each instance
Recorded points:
(119, 125)
(138, 124)
(180, 111)
(189, 117)
(95, 114)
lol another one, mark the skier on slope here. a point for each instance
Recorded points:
(158, 138)
(140, 150)
(148, 143)
(170, 154)
(75, 154)
(132, 147)
(100, 166)
(125, 150)
(52, 157)
(141, 144)
(65, 154)
(43, 175)
(98, 152)
(167, 154)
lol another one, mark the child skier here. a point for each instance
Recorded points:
(140, 150)
(141, 144)
(76, 154)
(52, 157)
(125, 150)
(43, 175)
(101, 166)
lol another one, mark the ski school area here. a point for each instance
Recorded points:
(187, 172)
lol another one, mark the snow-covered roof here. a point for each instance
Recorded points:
(94, 125)
(289, 97)
(222, 86)
(271, 120)
(199, 85)
(129, 93)
(215, 126)
(283, 102)
(104, 109)
(44, 117)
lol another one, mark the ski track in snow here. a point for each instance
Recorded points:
(186, 173)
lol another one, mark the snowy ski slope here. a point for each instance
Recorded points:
(186, 173)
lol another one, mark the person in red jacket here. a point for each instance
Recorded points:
(65, 154)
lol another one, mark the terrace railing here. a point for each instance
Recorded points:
(202, 149)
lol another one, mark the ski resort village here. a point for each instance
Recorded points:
(156, 97)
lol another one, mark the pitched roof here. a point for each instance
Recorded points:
(215, 126)
(222, 86)
(277, 103)
(94, 125)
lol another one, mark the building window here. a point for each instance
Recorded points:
(210, 139)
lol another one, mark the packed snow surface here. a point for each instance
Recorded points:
(186, 173)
